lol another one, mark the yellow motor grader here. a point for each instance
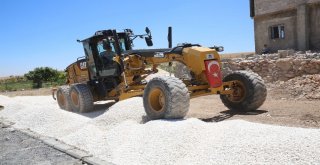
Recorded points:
(121, 75)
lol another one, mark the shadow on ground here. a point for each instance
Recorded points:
(145, 119)
(98, 110)
(224, 115)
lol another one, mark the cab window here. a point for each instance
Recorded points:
(112, 43)
(100, 47)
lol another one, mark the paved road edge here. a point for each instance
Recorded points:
(59, 145)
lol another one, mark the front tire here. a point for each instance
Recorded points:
(249, 93)
(166, 97)
(81, 98)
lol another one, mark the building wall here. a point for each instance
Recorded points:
(314, 15)
(301, 19)
(263, 36)
(270, 6)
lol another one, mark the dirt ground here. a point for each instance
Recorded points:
(278, 109)
(279, 112)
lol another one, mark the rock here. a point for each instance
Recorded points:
(11, 129)
(297, 61)
(272, 68)
(284, 64)
(316, 78)
(285, 53)
(256, 69)
(290, 75)
(268, 79)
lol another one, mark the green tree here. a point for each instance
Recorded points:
(62, 77)
(42, 74)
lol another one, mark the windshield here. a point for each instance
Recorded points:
(112, 45)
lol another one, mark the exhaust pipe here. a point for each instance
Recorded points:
(170, 36)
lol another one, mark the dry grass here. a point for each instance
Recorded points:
(31, 92)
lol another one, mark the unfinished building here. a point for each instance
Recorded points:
(286, 24)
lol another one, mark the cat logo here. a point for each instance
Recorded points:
(83, 65)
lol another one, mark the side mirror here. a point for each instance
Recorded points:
(149, 41)
(218, 48)
(148, 31)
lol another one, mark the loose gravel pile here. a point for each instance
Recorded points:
(276, 67)
(123, 135)
(304, 87)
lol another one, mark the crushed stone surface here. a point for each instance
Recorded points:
(121, 134)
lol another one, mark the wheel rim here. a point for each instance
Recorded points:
(61, 99)
(74, 98)
(156, 99)
(239, 92)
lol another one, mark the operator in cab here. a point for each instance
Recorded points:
(108, 54)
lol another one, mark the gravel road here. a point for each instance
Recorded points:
(19, 148)
(120, 133)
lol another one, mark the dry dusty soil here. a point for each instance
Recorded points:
(302, 113)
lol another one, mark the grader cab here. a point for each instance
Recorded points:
(122, 75)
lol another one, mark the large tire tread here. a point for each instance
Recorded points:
(256, 91)
(178, 100)
(64, 90)
(85, 98)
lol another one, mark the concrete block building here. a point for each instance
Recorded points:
(286, 24)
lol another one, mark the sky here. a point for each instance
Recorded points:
(40, 33)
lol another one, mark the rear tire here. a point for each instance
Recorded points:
(251, 91)
(166, 97)
(81, 98)
(63, 98)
